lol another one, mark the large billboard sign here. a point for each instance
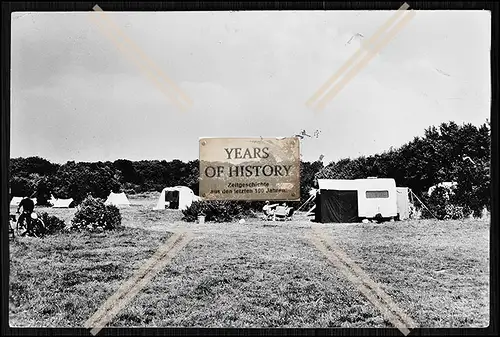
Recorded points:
(250, 169)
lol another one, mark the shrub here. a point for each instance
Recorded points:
(112, 217)
(414, 212)
(53, 224)
(441, 205)
(94, 215)
(251, 206)
(454, 212)
(436, 203)
(20, 186)
(214, 211)
(196, 209)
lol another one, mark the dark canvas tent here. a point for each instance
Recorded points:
(336, 206)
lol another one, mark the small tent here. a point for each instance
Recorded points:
(340, 200)
(15, 201)
(448, 185)
(178, 197)
(62, 203)
(52, 200)
(117, 199)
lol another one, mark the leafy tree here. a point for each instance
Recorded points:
(308, 179)
(41, 187)
(153, 174)
(128, 173)
(191, 176)
(78, 180)
(425, 161)
(26, 166)
(20, 186)
(439, 155)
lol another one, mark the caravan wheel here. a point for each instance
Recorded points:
(378, 218)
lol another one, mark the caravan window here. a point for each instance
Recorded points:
(377, 194)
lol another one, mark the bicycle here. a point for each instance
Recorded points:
(37, 226)
(12, 225)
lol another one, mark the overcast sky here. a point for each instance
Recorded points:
(77, 96)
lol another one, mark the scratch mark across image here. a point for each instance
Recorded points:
(442, 72)
(126, 293)
(153, 71)
(369, 288)
(371, 46)
(357, 35)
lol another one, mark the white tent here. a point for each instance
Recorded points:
(61, 203)
(178, 197)
(16, 200)
(117, 199)
(449, 185)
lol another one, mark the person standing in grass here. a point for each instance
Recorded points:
(28, 206)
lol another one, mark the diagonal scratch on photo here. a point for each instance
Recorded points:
(250, 211)
(107, 25)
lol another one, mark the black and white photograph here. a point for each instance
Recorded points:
(360, 140)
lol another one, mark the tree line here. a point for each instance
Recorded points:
(38, 177)
(448, 152)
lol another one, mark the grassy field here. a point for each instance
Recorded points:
(256, 274)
